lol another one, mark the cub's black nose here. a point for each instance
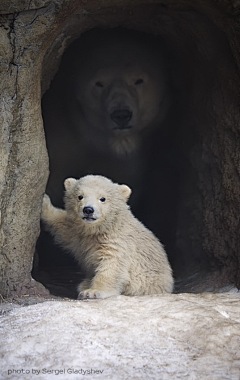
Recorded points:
(121, 117)
(88, 210)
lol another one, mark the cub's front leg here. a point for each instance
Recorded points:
(51, 214)
(84, 285)
(55, 220)
(106, 283)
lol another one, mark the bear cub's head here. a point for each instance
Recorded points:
(95, 199)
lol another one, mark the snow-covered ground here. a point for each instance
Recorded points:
(177, 336)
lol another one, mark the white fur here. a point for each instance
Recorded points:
(119, 254)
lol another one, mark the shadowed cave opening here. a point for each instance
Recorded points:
(175, 168)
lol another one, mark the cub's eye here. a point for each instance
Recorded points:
(80, 197)
(99, 84)
(139, 81)
(102, 199)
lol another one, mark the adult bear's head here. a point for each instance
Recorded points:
(118, 85)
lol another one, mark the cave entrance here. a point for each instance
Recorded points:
(179, 176)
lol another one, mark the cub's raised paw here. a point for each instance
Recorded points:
(96, 294)
(47, 207)
(46, 203)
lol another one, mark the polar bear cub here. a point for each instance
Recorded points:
(117, 252)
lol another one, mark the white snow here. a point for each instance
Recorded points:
(177, 336)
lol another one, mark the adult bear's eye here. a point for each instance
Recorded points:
(99, 84)
(102, 199)
(80, 197)
(139, 81)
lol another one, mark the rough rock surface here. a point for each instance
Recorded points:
(159, 337)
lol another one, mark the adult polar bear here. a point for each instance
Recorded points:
(110, 93)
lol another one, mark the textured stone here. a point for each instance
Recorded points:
(168, 337)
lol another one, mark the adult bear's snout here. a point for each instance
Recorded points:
(121, 118)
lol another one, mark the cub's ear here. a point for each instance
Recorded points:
(69, 182)
(126, 191)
